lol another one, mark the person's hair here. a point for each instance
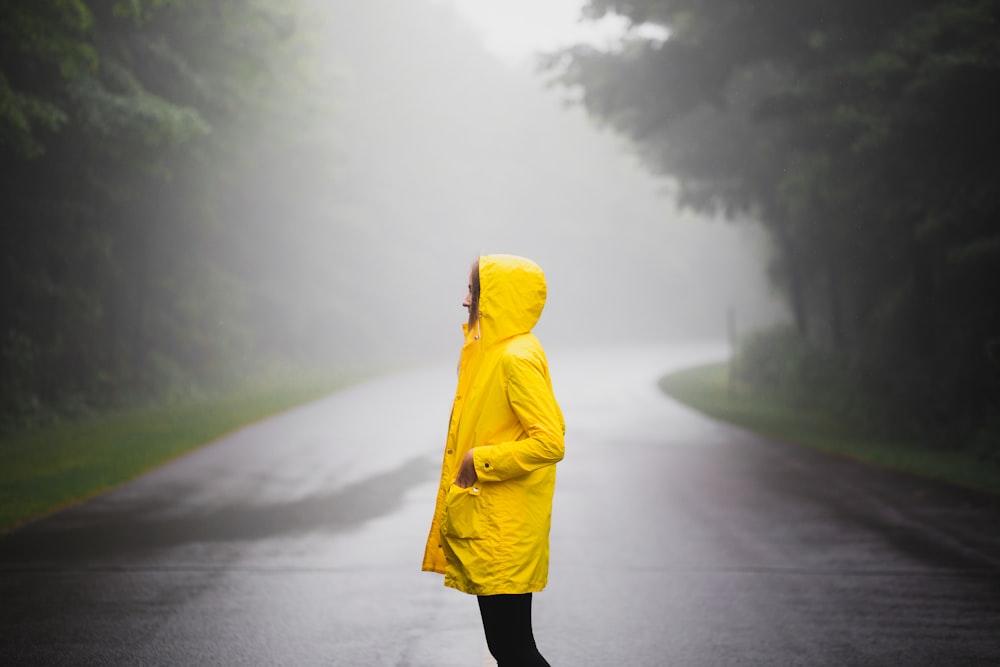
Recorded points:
(474, 308)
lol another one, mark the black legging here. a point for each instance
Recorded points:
(507, 623)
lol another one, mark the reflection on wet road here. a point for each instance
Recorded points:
(676, 540)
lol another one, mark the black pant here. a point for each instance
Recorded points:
(507, 623)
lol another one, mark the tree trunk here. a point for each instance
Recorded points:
(796, 290)
(924, 315)
(833, 303)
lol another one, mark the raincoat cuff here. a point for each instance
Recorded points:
(486, 468)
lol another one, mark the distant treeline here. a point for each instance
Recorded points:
(865, 136)
(114, 116)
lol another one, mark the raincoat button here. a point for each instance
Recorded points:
(451, 451)
(486, 465)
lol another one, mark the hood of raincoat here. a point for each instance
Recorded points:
(512, 295)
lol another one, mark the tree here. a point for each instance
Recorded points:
(116, 118)
(859, 135)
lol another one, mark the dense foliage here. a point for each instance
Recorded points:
(864, 136)
(113, 115)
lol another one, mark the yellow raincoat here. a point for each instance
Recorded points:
(493, 537)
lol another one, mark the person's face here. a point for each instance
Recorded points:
(467, 303)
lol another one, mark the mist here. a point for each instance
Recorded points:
(199, 197)
(431, 152)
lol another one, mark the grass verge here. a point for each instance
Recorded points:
(708, 390)
(49, 468)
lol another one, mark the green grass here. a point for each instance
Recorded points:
(49, 468)
(708, 390)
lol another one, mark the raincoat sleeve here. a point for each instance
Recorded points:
(529, 393)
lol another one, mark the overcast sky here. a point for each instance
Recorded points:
(514, 30)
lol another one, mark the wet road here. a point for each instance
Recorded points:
(676, 540)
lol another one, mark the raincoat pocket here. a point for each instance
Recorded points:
(464, 512)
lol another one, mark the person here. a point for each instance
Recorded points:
(490, 533)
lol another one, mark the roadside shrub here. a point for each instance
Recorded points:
(780, 363)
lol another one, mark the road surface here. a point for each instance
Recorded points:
(676, 540)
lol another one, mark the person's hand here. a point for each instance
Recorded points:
(466, 476)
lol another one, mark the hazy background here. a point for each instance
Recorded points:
(434, 150)
(199, 194)
(205, 200)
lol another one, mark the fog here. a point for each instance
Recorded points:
(424, 152)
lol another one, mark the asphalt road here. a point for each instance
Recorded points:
(676, 540)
